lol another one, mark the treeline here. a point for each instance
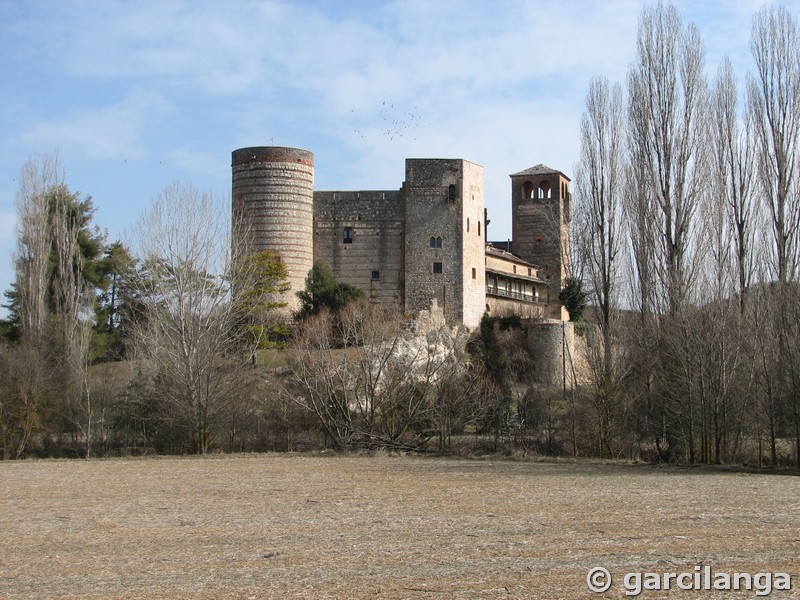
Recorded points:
(131, 349)
(686, 234)
(685, 241)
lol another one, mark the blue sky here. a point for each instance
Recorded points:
(135, 95)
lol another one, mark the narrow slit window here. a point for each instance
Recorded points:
(348, 235)
(474, 273)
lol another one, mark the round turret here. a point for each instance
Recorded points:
(551, 344)
(273, 195)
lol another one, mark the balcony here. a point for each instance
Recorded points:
(503, 293)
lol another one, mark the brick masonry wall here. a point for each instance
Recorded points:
(273, 192)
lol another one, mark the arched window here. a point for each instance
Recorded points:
(544, 190)
(438, 242)
(527, 190)
(433, 242)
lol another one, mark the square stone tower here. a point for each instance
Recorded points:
(444, 237)
(541, 212)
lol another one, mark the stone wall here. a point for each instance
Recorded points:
(507, 307)
(552, 347)
(474, 245)
(425, 242)
(540, 227)
(372, 259)
(442, 197)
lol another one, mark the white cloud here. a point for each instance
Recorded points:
(105, 133)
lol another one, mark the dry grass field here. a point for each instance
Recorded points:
(296, 526)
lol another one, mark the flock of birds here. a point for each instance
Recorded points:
(395, 124)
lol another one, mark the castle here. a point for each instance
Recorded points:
(423, 242)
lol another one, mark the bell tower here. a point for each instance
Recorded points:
(541, 211)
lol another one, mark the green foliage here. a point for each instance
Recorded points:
(324, 291)
(78, 213)
(573, 298)
(266, 282)
(9, 328)
(114, 269)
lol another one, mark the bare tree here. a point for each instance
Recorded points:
(369, 382)
(774, 102)
(187, 330)
(32, 257)
(733, 165)
(26, 394)
(666, 111)
(717, 345)
(54, 300)
(599, 184)
(667, 105)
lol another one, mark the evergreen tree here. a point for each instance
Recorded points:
(573, 298)
(323, 290)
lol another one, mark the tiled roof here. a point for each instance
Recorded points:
(539, 169)
(508, 256)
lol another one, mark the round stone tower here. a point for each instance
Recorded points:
(273, 197)
(552, 346)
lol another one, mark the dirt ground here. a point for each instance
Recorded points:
(297, 526)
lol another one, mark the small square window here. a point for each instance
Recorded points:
(376, 275)
(348, 235)
(437, 267)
